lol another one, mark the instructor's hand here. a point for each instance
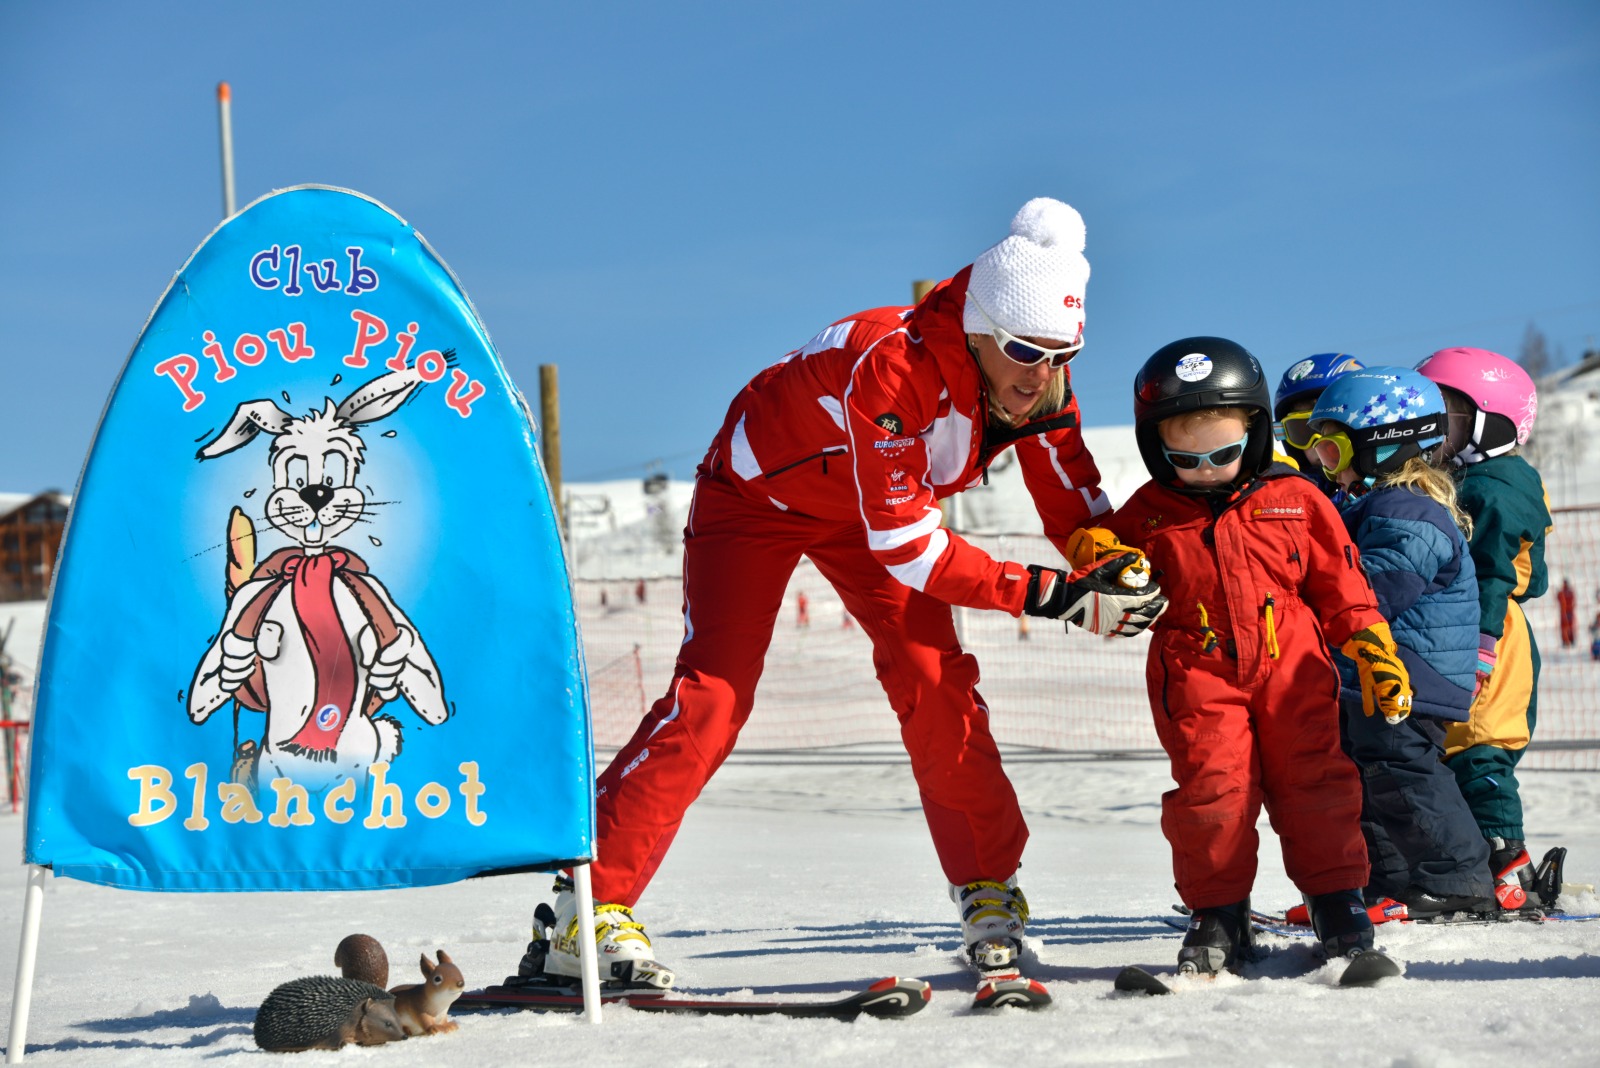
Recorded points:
(1094, 597)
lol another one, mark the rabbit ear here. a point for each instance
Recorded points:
(444, 958)
(378, 398)
(249, 419)
(428, 967)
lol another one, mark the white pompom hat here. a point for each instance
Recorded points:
(1032, 283)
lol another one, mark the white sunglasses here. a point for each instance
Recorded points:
(1026, 352)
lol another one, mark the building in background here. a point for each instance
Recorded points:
(30, 538)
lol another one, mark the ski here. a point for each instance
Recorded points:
(1271, 924)
(1368, 967)
(1010, 990)
(1364, 970)
(1135, 980)
(887, 998)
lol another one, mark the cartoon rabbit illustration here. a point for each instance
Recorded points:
(310, 636)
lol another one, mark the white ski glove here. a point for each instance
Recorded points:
(1094, 597)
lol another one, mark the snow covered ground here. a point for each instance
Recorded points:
(806, 880)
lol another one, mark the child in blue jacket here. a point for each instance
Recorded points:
(1378, 434)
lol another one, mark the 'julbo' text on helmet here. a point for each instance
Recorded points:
(1390, 413)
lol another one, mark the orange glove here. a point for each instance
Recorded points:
(1385, 683)
(1093, 545)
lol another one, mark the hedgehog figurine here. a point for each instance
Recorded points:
(323, 1012)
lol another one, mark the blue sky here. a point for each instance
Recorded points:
(662, 199)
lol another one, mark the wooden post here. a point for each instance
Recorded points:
(920, 288)
(550, 435)
(225, 121)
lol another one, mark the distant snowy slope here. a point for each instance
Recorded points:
(1563, 447)
(621, 531)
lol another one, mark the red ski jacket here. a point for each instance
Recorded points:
(881, 415)
(1236, 569)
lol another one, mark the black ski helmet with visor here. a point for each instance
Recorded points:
(1201, 372)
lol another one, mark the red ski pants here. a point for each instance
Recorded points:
(1237, 742)
(737, 559)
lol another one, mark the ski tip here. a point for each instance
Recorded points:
(1135, 980)
(895, 981)
(896, 996)
(1012, 993)
(1369, 968)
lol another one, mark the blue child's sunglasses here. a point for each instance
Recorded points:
(1189, 461)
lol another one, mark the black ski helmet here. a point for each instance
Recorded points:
(1201, 372)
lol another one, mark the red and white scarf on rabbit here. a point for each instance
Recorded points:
(310, 581)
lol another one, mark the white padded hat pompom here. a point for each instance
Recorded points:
(1033, 282)
(1049, 223)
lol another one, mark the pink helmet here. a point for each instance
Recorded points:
(1500, 390)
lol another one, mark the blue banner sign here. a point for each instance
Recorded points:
(312, 626)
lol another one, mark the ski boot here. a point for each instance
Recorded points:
(1341, 923)
(993, 916)
(621, 945)
(1217, 938)
(1513, 873)
(1421, 905)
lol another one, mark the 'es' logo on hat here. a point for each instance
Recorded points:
(1073, 301)
(890, 422)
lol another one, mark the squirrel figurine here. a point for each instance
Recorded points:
(422, 1008)
(360, 957)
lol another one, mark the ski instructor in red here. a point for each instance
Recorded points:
(841, 452)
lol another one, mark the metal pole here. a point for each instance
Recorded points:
(550, 434)
(225, 119)
(22, 998)
(588, 963)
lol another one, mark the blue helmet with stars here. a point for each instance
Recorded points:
(1389, 413)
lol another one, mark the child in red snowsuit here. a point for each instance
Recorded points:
(1261, 577)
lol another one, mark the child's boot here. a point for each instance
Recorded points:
(1341, 923)
(1513, 872)
(1422, 905)
(1216, 939)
